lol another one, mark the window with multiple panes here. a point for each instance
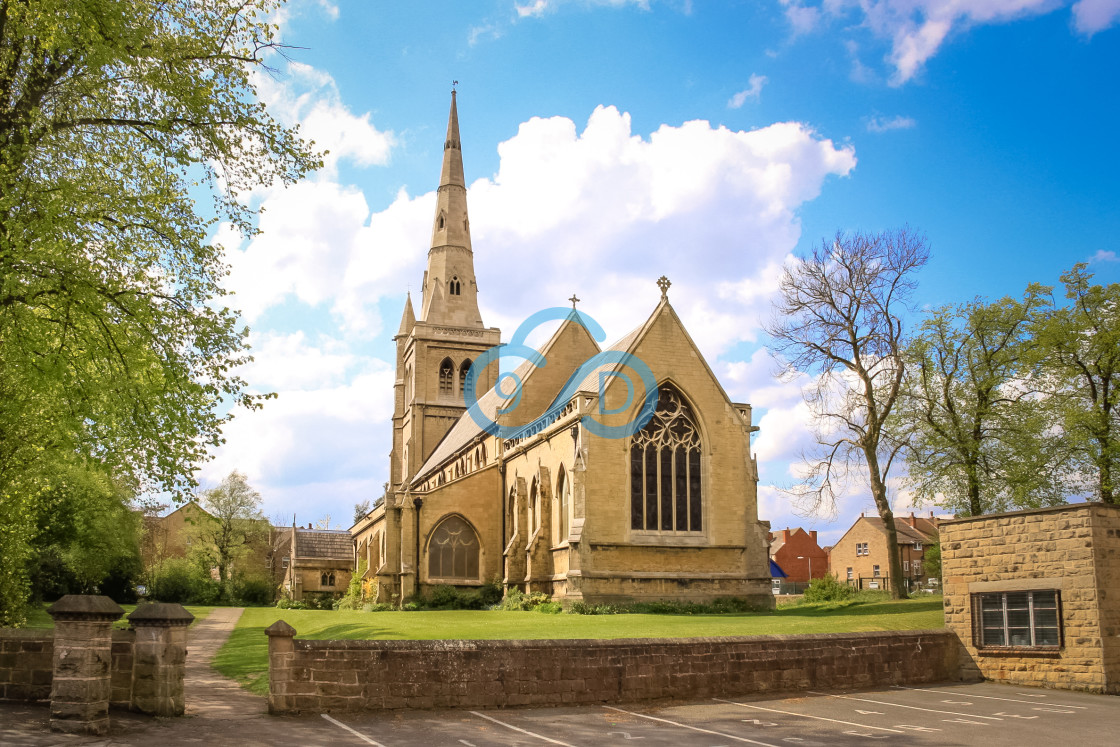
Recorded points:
(861, 549)
(454, 287)
(666, 493)
(453, 551)
(875, 571)
(906, 566)
(1017, 618)
(850, 575)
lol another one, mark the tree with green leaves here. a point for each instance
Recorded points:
(117, 348)
(839, 320)
(1080, 345)
(234, 524)
(979, 436)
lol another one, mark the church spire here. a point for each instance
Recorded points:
(450, 293)
(408, 318)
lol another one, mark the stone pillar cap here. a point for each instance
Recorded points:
(160, 613)
(85, 607)
(280, 628)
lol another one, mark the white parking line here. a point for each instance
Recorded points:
(357, 734)
(806, 715)
(516, 728)
(992, 697)
(900, 705)
(694, 728)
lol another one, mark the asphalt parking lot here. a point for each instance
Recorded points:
(952, 714)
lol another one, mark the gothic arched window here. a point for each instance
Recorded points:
(534, 508)
(454, 287)
(453, 551)
(446, 378)
(511, 515)
(463, 369)
(665, 486)
(563, 499)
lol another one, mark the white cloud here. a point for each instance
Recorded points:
(1104, 255)
(532, 9)
(751, 92)
(916, 29)
(310, 98)
(1091, 16)
(886, 124)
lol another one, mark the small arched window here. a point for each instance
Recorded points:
(453, 551)
(535, 507)
(454, 287)
(441, 221)
(463, 371)
(327, 579)
(407, 384)
(511, 515)
(446, 378)
(563, 505)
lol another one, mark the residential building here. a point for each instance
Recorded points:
(797, 553)
(860, 557)
(312, 563)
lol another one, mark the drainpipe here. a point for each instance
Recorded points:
(418, 502)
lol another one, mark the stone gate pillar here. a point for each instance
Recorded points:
(281, 656)
(83, 646)
(159, 658)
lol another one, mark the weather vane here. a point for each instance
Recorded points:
(453, 84)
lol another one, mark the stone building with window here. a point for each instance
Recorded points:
(312, 563)
(553, 492)
(1035, 595)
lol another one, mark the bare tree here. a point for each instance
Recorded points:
(839, 320)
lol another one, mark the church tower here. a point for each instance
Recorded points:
(435, 351)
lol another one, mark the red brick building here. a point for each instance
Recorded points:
(798, 554)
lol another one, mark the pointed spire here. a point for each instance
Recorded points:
(450, 292)
(408, 318)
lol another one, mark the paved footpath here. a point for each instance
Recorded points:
(208, 694)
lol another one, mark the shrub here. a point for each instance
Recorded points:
(287, 603)
(827, 589)
(517, 601)
(254, 592)
(354, 597)
(491, 592)
(550, 608)
(583, 608)
(378, 607)
(177, 580)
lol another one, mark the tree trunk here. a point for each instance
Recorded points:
(894, 557)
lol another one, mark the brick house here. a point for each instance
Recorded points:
(1035, 595)
(860, 558)
(797, 553)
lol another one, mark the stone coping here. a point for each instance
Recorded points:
(590, 643)
(85, 607)
(1032, 511)
(160, 613)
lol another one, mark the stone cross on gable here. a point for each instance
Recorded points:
(663, 283)
(574, 299)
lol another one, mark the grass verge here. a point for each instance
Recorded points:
(244, 657)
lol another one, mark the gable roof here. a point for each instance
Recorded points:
(466, 429)
(324, 543)
(925, 530)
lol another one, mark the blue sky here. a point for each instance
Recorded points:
(607, 143)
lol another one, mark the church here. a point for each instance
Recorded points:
(569, 475)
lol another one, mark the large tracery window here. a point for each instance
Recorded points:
(665, 486)
(453, 551)
(446, 378)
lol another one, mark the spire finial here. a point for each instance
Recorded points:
(574, 299)
(454, 83)
(663, 283)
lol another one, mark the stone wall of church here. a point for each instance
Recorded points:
(475, 497)
(729, 556)
(322, 676)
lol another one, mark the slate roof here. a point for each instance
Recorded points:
(324, 543)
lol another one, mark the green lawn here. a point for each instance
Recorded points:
(38, 618)
(245, 655)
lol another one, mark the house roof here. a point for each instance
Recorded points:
(924, 530)
(324, 543)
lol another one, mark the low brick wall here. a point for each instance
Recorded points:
(321, 676)
(26, 664)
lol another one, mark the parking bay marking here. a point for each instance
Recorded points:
(992, 697)
(517, 728)
(806, 715)
(694, 728)
(355, 732)
(913, 708)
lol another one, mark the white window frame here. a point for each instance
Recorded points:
(875, 571)
(850, 573)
